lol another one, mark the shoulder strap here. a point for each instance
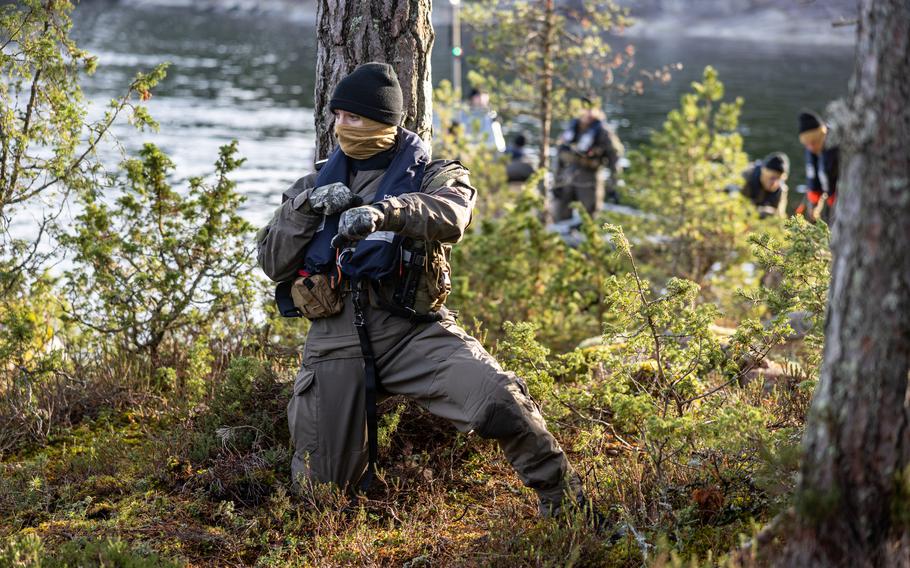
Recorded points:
(372, 380)
(371, 384)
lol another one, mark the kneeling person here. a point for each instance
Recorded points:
(765, 185)
(361, 247)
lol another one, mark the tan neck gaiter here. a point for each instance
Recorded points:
(368, 140)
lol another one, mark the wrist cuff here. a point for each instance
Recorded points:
(301, 203)
(392, 212)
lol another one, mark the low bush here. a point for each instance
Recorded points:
(513, 269)
(693, 227)
(158, 265)
(238, 444)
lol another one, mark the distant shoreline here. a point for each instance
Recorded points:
(770, 24)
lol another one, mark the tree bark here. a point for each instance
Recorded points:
(397, 32)
(853, 498)
(546, 110)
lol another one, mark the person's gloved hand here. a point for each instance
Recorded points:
(357, 223)
(333, 198)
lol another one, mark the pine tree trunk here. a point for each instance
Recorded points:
(853, 500)
(546, 109)
(397, 32)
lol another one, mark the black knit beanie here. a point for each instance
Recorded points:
(809, 121)
(372, 91)
(777, 161)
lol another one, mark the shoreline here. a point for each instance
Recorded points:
(769, 24)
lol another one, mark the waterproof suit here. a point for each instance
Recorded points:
(437, 364)
(583, 151)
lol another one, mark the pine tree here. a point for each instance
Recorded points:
(679, 178)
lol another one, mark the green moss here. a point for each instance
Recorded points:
(24, 550)
(28, 550)
(107, 552)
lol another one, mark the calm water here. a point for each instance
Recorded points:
(251, 79)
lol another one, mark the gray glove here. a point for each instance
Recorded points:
(333, 198)
(357, 223)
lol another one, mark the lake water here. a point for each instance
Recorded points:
(252, 79)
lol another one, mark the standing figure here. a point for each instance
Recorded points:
(822, 165)
(586, 147)
(765, 185)
(361, 247)
(479, 123)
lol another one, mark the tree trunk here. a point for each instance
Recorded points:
(546, 109)
(853, 499)
(397, 32)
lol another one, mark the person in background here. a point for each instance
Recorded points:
(586, 146)
(765, 185)
(479, 123)
(520, 166)
(822, 165)
(518, 150)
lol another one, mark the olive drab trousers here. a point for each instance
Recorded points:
(438, 365)
(577, 183)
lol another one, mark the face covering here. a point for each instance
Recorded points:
(365, 141)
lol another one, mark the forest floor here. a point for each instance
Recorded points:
(448, 499)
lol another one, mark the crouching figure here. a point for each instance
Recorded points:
(361, 247)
